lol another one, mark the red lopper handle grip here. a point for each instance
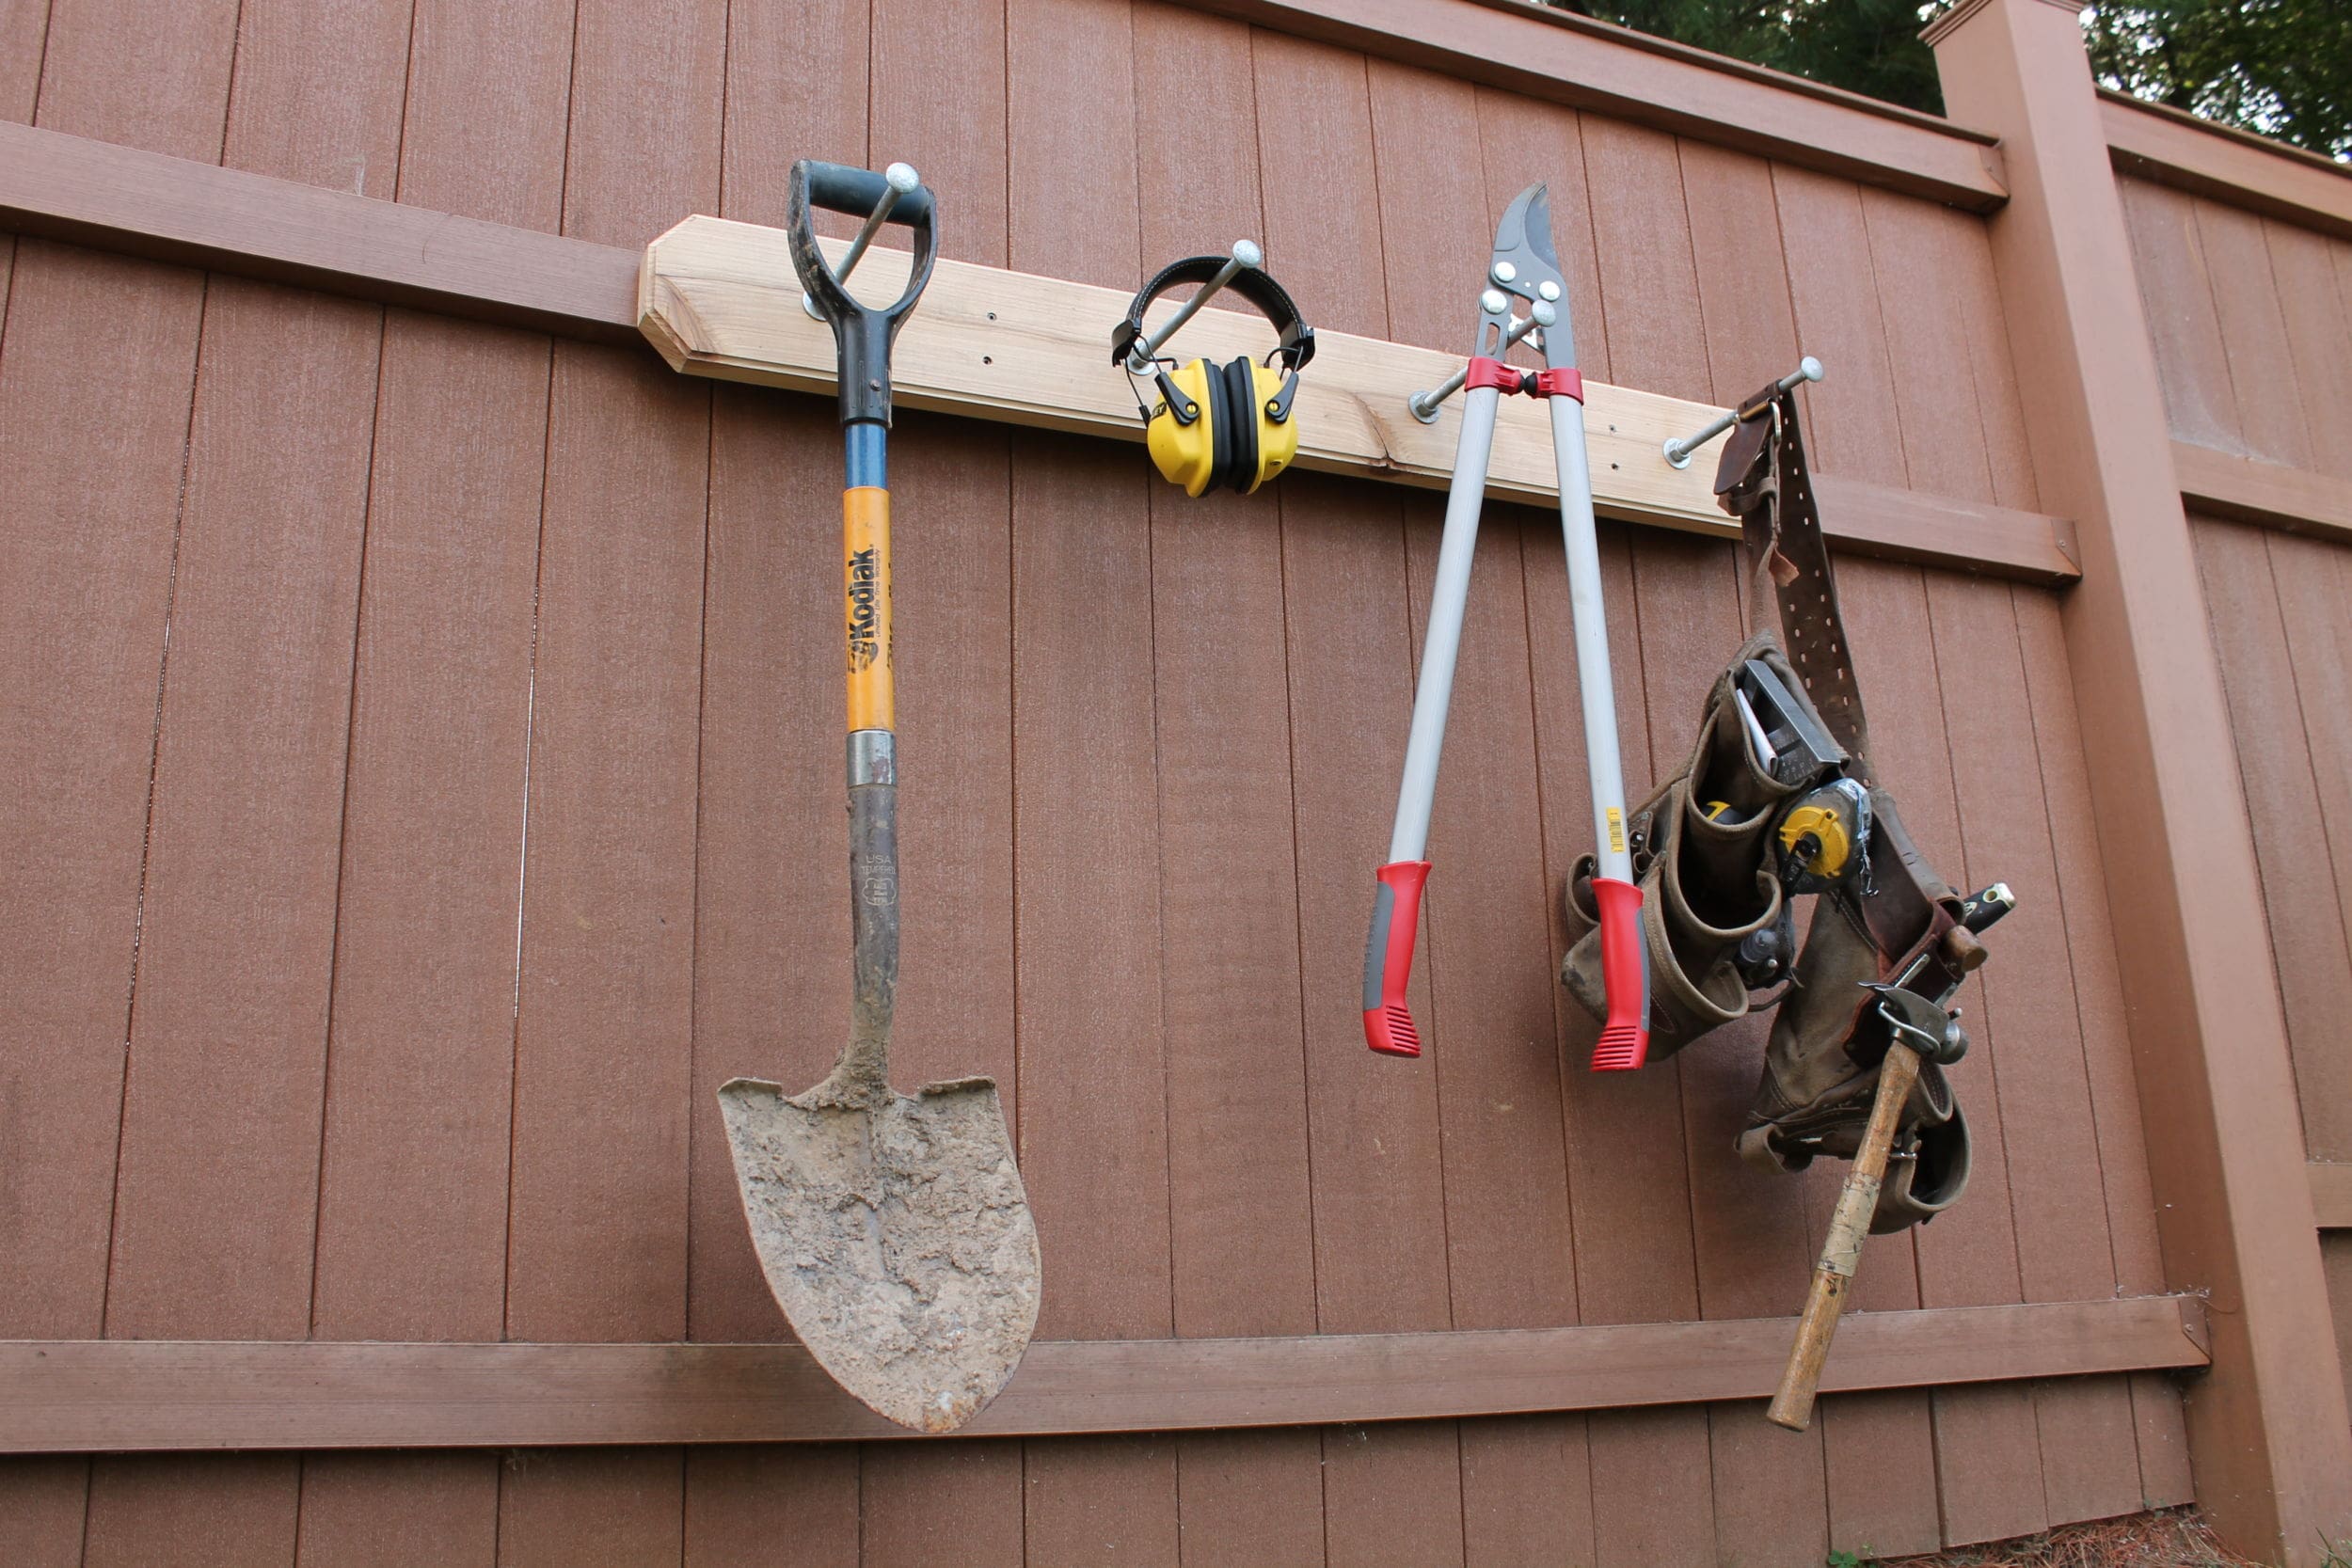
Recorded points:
(1625, 971)
(1389, 958)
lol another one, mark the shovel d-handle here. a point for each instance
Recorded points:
(862, 334)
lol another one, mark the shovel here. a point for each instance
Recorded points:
(893, 1228)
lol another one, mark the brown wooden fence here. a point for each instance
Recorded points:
(424, 754)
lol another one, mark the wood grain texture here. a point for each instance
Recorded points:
(318, 92)
(2253, 335)
(2151, 142)
(2221, 484)
(2318, 330)
(2176, 292)
(142, 204)
(107, 1395)
(139, 75)
(2308, 943)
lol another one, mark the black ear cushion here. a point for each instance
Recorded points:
(1240, 409)
(1219, 414)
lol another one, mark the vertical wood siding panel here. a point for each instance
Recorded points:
(1520, 141)
(1770, 1490)
(1314, 136)
(139, 74)
(603, 1049)
(440, 741)
(487, 114)
(191, 1510)
(770, 932)
(217, 1192)
(1436, 230)
(1251, 1496)
(2086, 1447)
(938, 95)
(1379, 1180)
(2335, 1254)
(2318, 327)
(412, 1202)
(2308, 575)
(1614, 1203)
(23, 29)
(1988, 1454)
(2000, 408)
(953, 588)
(1879, 1450)
(1093, 1108)
(2098, 998)
(1228, 895)
(317, 92)
(1642, 233)
(937, 100)
(961, 1506)
(394, 1510)
(773, 1505)
(2177, 295)
(772, 929)
(771, 837)
(110, 70)
(1851, 423)
(1927, 336)
(43, 1504)
(1510, 1253)
(2253, 335)
(2032, 1036)
(2275, 761)
(1527, 1481)
(1527, 1491)
(1626, 1134)
(598, 1249)
(796, 88)
(85, 583)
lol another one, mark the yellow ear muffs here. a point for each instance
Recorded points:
(1182, 435)
(1226, 424)
(1278, 433)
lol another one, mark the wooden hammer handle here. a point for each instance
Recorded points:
(1841, 1249)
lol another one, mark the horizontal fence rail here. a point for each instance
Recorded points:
(105, 1396)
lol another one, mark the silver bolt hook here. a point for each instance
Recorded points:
(1423, 405)
(898, 180)
(1245, 256)
(1678, 452)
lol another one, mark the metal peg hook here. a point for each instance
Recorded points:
(1678, 452)
(898, 180)
(1244, 256)
(1423, 405)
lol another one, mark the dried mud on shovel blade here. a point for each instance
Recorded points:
(896, 1236)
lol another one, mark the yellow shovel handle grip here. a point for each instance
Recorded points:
(866, 591)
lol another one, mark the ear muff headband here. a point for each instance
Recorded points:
(1254, 284)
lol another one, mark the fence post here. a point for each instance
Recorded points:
(2270, 1440)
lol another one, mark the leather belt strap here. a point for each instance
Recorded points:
(1904, 906)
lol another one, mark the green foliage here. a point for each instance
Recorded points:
(1847, 1560)
(2280, 66)
(2283, 67)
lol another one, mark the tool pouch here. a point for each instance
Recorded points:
(1700, 855)
(1718, 853)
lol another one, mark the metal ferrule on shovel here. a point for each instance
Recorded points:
(893, 1228)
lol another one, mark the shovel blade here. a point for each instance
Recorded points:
(896, 1238)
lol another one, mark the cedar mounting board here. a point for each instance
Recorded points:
(719, 298)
